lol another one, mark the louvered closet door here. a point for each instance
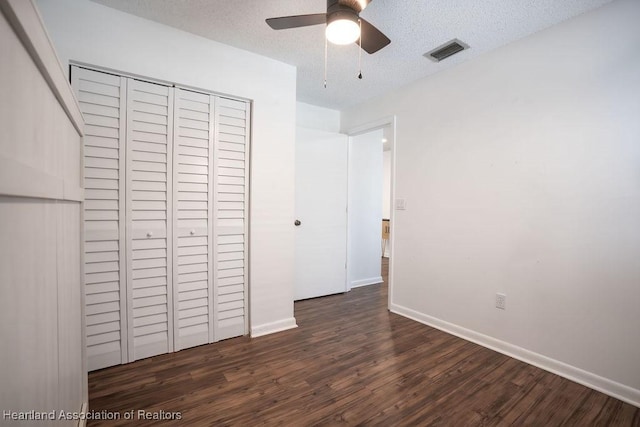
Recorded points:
(230, 228)
(193, 201)
(102, 101)
(149, 237)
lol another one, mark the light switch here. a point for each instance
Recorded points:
(401, 204)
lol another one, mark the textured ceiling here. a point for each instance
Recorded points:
(414, 27)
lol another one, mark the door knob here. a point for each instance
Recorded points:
(297, 222)
(149, 234)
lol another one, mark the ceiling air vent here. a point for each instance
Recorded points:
(446, 50)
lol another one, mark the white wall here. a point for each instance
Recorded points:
(90, 33)
(365, 209)
(319, 118)
(521, 174)
(41, 352)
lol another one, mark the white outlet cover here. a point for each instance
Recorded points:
(501, 301)
(401, 204)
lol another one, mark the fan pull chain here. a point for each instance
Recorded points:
(360, 50)
(325, 61)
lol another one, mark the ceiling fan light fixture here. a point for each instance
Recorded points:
(343, 28)
(343, 25)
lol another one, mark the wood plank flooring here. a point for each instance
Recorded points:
(350, 362)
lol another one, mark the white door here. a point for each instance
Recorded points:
(102, 102)
(149, 239)
(210, 219)
(166, 217)
(321, 209)
(192, 226)
(231, 218)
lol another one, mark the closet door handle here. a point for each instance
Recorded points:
(192, 232)
(149, 234)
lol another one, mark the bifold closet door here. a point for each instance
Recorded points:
(231, 216)
(193, 220)
(149, 208)
(210, 218)
(166, 217)
(102, 101)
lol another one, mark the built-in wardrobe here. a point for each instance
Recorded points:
(166, 178)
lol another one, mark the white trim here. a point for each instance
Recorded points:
(83, 306)
(172, 241)
(247, 206)
(28, 26)
(580, 376)
(347, 263)
(366, 282)
(179, 343)
(273, 327)
(82, 422)
(148, 79)
(37, 184)
(214, 125)
(392, 215)
(212, 238)
(127, 188)
(373, 125)
(123, 228)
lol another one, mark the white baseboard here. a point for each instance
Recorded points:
(272, 327)
(365, 282)
(591, 380)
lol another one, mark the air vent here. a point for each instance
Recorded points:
(446, 50)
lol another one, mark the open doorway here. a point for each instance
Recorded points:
(370, 195)
(387, 137)
(364, 209)
(343, 191)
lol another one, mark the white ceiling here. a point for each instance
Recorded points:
(414, 27)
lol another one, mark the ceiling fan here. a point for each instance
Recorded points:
(344, 25)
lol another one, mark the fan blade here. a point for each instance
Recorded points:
(372, 39)
(357, 5)
(284, 22)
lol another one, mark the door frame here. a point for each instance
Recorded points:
(388, 121)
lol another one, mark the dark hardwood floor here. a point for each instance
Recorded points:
(350, 362)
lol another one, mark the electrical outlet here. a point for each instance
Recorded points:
(501, 301)
(401, 204)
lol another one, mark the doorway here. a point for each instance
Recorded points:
(387, 138)
(371, 154)
(343, 191)
(365, 209)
